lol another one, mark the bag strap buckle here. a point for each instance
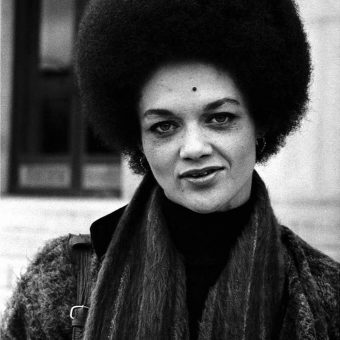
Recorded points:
(74, 308)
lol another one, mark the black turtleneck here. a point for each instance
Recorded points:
(204, 240)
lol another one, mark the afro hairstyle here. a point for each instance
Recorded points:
(262, 43)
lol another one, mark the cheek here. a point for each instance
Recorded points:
(247, 152)
(242, 151)
(159, 158)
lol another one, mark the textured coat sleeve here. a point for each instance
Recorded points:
(326, 273)
(318, 276)
(39, 307)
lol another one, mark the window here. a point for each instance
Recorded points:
(54, 151)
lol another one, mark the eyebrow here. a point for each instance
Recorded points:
(157, 112)
(220, 102)
(208, 107)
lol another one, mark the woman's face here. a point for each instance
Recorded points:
(198, 136)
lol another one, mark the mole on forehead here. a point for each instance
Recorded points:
(194, 88)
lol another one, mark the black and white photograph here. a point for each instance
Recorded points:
(170, 170)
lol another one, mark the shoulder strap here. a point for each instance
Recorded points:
(81, 252)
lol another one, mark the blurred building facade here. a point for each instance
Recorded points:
(56, 177)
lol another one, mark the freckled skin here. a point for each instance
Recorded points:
(193, 136)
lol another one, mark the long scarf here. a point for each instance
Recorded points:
(141, 292)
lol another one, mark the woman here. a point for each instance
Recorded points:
(194, 93)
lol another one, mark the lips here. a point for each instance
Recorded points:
(197, 173)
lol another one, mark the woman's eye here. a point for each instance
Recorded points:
(163, 127)
(220, 118)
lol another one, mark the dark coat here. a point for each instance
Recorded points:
(40, 305)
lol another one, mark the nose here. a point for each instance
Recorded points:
(195, 144)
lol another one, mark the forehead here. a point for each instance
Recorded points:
(187, 83)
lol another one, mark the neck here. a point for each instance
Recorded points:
(204, 237)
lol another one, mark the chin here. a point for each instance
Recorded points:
(204, 207)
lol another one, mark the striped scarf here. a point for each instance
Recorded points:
(141, 287)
